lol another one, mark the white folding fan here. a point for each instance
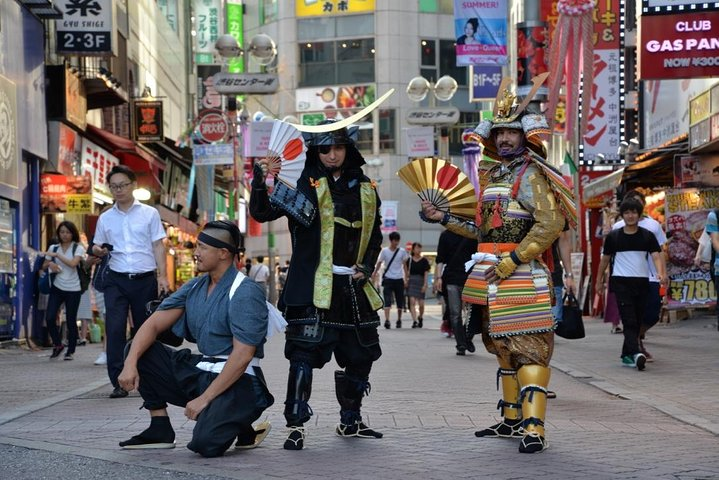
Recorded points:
(286, 153)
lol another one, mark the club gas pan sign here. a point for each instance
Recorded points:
(679, 46)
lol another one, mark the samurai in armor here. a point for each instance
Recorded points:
(334, 222)
(520, 213)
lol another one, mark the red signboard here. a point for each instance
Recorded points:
(212, 126)
(679, 46)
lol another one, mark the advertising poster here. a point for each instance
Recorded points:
(61, 193)
(69, 148)
(666, 108)
(420, 141)
(532, 49)
(481, 31)
(258, 139)
(388, 210)
(333, 102)
(686, 213)
(696, 171)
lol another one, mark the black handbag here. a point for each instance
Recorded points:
(571, 326)
(101, 278)
(167, 337)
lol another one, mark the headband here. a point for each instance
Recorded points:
(214, 242)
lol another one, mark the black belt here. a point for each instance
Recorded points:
(213, 359)
(133, 276)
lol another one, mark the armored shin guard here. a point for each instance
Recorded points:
(509, 406)
(534, 380)
(299, 389)
(350, 391)
(297, 408)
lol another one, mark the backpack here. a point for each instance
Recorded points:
(83, 271)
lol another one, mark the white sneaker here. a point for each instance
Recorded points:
(101, 359)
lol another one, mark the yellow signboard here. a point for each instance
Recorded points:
(79, 203)
(314, 8)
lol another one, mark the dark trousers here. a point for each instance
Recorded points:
(72, 303)
(355, 350)
(123, 295)
(654, 306)
(453, 296)
(632, 304)
(170, 376)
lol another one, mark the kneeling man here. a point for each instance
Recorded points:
(222, 389)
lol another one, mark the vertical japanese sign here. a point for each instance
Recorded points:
(207, 96)
(311, 8)
(481, 30)
(207, 29)
(169, 10)
(686, 215)
(604, 112)
(97, 162)
(233, 14)
(86, 27)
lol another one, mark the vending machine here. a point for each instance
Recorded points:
(8, 273)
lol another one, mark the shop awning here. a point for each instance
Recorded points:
(604, 184)
(142, 161)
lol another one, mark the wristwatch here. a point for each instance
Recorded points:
(568, 275)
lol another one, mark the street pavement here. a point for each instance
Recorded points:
(608, 421)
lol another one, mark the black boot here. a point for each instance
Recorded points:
(349, 395)
(158, 435)
(297, 410)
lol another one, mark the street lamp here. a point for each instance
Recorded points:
(443, 90)
(262, 49)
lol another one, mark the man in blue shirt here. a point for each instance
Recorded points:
(223, 389)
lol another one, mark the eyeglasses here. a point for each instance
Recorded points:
(116, 187)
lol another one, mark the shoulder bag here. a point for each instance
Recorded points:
(571, 326)
(386, 269)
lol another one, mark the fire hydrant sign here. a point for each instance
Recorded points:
(212, 126)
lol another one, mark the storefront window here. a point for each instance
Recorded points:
(439, 58)
(268, 12)
(337, 62)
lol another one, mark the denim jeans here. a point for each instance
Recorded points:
(454, 305)
(557, 310)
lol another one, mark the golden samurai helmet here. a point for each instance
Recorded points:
(509, 114)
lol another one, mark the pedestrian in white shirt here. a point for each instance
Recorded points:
(137, 264)
(260, 273)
